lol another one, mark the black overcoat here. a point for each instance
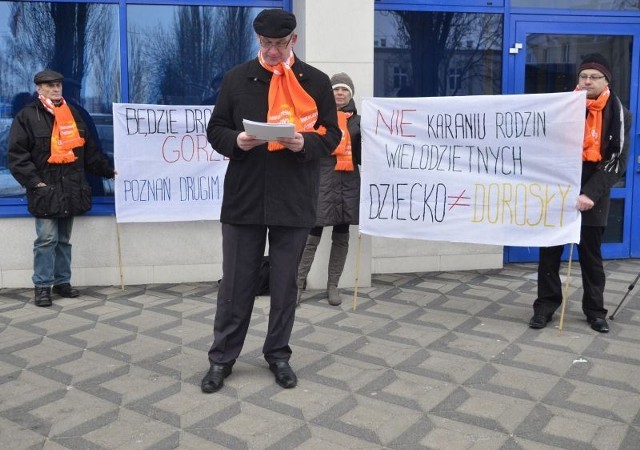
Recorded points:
(339, 198)
(67, 192)
(278, 188)
(598, 178)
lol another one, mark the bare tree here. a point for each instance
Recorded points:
(139, 87)
(56, 36)
(239, 35)
(426, 37)
(439, 41)
(631, 5)
(104, 67)
(202, 43)
(27, 51)
(69, 38)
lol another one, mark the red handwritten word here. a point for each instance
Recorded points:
(396, 123)
(188, 148)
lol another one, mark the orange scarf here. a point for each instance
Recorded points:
(344, 160)
(65, 136)
(288, 102)
(593, 127)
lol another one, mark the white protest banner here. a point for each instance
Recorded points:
(499, 170)
(167, 170)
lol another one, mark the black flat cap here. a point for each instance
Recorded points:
(47, 76)
(274, 23)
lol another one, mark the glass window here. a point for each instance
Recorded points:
(614, 232)
(37, 36)
(193, 46)
(618, 5)
(455, 78)
(445, 53)
(552, 66)
(400, 77)
(553, 59)
(446, 3)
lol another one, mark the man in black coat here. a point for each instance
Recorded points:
(49, 150)
(270, 190)
(604, 161)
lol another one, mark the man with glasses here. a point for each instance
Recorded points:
(604, 161)
(270, 190)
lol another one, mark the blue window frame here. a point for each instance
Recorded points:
(565, 40)
(99, 64)
(421, 4)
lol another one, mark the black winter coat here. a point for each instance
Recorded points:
(598, 178)
(67, 192)
(339, 198)
(277, 188)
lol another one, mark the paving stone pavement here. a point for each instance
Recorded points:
(431, 360)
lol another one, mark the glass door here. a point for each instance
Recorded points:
(544, 58)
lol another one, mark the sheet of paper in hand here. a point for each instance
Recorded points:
(268, 131)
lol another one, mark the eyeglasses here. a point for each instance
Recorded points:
(582, 76)
(280, 45)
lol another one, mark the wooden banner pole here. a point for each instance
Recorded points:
(120, 257)
(357, 278)
(566, 290)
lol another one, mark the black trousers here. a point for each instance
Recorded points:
(242, 250)
(593, 276)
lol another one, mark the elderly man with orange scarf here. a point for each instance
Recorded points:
(604, 156)
(49, 150)
(270, 190)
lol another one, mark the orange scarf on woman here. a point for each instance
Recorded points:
(288, 102)
(593, 127)
(65, 136)
(344, 160)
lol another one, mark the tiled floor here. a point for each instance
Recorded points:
(430, 360)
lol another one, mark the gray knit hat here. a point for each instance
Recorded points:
(342, 80)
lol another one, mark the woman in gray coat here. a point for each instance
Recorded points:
(339, 196)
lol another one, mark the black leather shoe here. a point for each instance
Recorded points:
(599, 324)
(43, 296)
(284, 374)
(65, 290)
(214, 379)
(539, 321)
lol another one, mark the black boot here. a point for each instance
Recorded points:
(65, 290)
(43, 296)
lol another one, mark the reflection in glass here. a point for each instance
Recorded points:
(38, 36)
(432, 54)
(178, 54)
(618, 5)
(553, 60)
(615, 223)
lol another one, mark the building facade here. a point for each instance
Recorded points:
(174, 51)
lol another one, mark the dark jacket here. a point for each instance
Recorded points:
(339, 198)
(67, 192)
(270, 188)
(598, 178)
